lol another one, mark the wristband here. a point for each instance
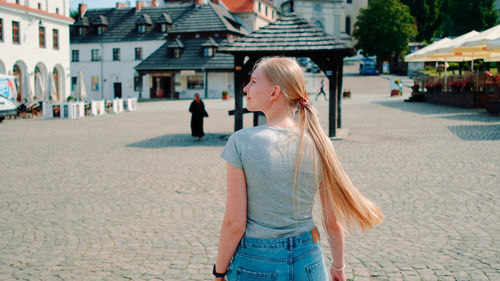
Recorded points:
(337, 268)
(216, 274)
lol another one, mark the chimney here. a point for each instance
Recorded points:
(139, 5)
(82, 8)
(120, 5)
(216, 2)
(153, 3)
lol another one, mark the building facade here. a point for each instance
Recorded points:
(337, 17)
(253, 13)
(34, 47)
(108, 44)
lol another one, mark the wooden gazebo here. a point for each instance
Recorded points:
(290, 36)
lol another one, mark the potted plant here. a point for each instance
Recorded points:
(225, 95)
(415, 87)
(346, 94)
(438, 86)
(429, 87)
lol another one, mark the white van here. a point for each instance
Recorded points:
(7, 97)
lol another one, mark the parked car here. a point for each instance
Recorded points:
(7, 94)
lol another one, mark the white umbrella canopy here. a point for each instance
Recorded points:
(493, 45)
(477, 43)
(80, 87)
(424, 53)
(446, 51)
(53, 89)
(29, 90)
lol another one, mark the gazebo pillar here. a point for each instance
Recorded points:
(238, 90)
(340, 68)
(332, 75)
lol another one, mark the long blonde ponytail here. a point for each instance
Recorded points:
(350, 206)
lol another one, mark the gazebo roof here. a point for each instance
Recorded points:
(288, 34)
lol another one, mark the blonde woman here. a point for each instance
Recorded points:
(273, 174)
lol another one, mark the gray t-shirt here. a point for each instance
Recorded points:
(267, 156)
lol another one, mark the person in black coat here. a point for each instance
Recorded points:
(198, 112)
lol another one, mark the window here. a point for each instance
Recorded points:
(163, 27)
(259, 7)
(57, 10)
(1, 29)
(95, 55)
(116, 54)
(41, 36)
(349, 1)
(17, 2)
(99, 30)
(272, 14)
(137, 83)
(208, 52)
(175, 52)
(195, 82)
(138, 53)
(55, 39)
(348, 25)
(75, 55)
(73, 83)
(39, 6)
(16, 31)
(95, 83)
(266, 10)
(142, 28)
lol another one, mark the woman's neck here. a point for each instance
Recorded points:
(280, 116)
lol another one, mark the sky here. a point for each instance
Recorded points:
(91, 4)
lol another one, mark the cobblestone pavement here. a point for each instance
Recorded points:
(133, 197)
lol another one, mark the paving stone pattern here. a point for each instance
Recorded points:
(133, 197)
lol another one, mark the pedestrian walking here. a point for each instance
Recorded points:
(273, 173)
(198, 112)
(321, 91)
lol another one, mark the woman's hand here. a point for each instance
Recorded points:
(337, 275)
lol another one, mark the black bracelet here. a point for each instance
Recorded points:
(216, 274)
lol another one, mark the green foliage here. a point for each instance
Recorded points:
(73, 13)
(463, 16)
(428, 17)
(384, 29)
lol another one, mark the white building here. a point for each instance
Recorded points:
(34, 45)
(253, 13)
(337, 17)
(108, 45)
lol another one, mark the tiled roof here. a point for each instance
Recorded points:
(208, 17)
(210, 42)
(185, 17)
(145, 19)
(83, 21)
(101, 20)
(288, 33)
(191, 58)
(175, 44)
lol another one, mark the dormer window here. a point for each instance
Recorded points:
(144, 23)
(175, 49)
(209, 48)
(81, 25)
(164, 22)
(101, 24)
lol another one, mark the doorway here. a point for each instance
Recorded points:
(162, 87)
(117, 87)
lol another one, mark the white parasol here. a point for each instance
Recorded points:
(81, 92)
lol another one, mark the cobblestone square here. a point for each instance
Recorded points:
(133, 197)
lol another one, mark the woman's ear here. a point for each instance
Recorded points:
(276, 93)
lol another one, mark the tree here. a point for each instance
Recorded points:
(462, 16)
(384, 29)
(428, 15)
